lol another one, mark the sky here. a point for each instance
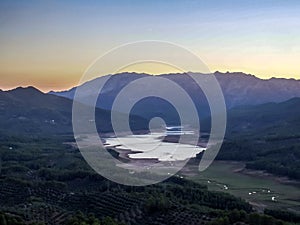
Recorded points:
(49, 44)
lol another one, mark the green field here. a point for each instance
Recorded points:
(224, 176)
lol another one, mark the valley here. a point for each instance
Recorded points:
(45, 179)
(261, 191)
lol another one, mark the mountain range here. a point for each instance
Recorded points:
(238, 89)
(253, 105)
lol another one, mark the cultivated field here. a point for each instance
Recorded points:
(258, 189)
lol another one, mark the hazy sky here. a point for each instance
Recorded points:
(49, 44)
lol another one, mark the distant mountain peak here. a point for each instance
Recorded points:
(29, 89)
(234, 74)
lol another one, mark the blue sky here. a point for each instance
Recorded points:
(50, 43)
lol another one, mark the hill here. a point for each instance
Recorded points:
(267, 119)
(29, 111)
(266, 137)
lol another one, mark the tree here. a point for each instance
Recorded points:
(254, 219)
(234, 216)
(3, 220)
(108, 221)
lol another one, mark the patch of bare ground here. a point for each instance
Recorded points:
(258, 206)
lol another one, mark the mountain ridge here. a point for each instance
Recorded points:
(165, 74)
(238, 89)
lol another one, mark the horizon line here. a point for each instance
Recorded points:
(142, 73)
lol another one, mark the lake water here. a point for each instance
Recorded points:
(150, 146)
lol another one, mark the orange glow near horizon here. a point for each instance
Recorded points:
(60, 79)
(63, 71)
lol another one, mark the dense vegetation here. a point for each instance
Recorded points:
(266, 137)
(44, 181)
(280, 156)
